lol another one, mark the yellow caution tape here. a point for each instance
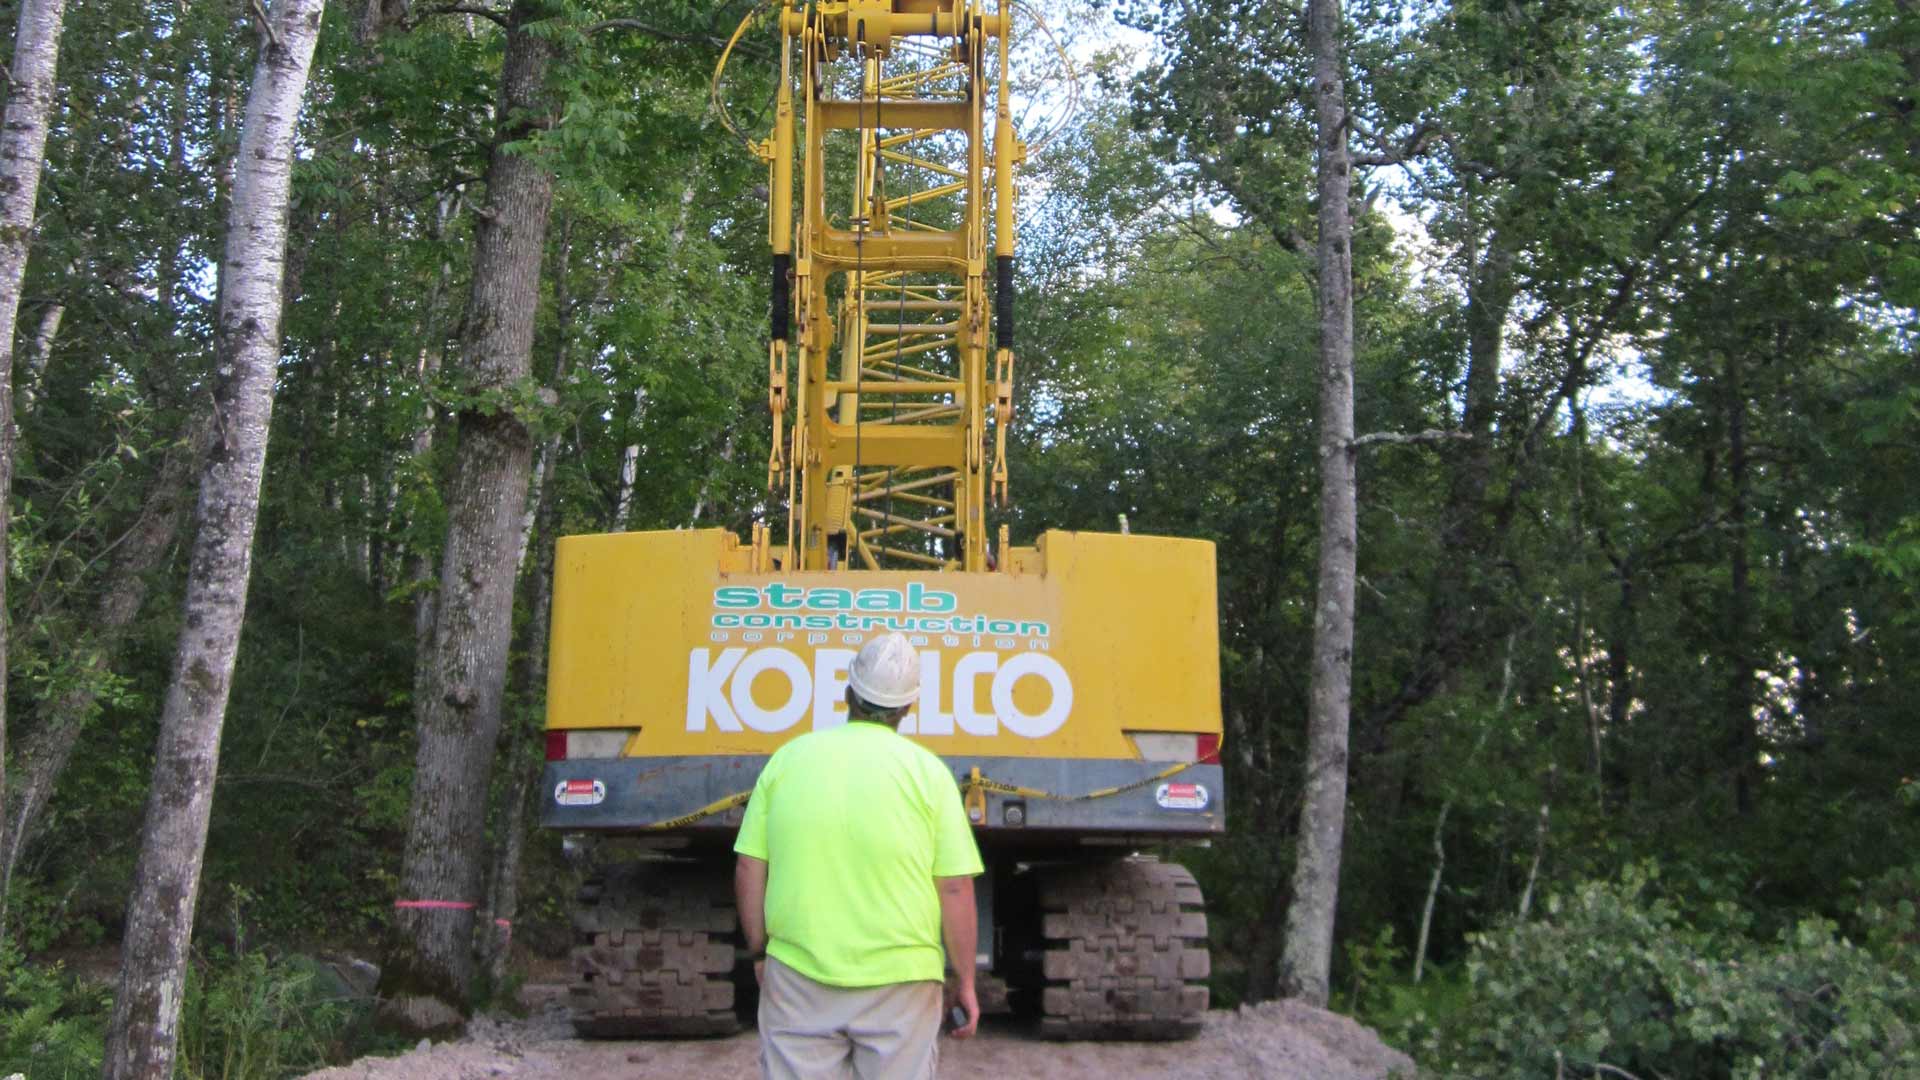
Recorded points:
(983, 784)
(973, 792)
(707, 811)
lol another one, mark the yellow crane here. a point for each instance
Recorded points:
(1072, 686)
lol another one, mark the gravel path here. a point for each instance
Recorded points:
(1274, 1041)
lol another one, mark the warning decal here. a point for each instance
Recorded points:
(580, 793)
(1182, 796)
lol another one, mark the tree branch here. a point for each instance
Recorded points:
(1465, 164)
(1415, 144)
(1590, 336)
(497, 18)
(266, 26)
(1403, 437)
(684, 38)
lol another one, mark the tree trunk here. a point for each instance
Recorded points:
(1446, 809)
(433, 351)
(1742, 740)
(429, 956)
(44, 753)
(33, 386)
(1433, 890)
(524, 747)
(23, 147)
(142, 1035)
(1489, 299)
(702, 500)
(629, 475)
(1461, 610)
(1308, 958)
(630, 455)
(1539, 842)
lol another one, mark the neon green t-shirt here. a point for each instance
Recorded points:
(854, 824)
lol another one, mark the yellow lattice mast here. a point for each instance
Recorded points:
(881, 320)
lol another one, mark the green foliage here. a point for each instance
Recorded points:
(1370, 969)
(1616, 976)
(49, 1026)
(249, 1017)
(252, 1017)
(1888, 917)
(38, 920)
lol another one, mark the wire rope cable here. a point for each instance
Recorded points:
(1072, 107)
(713, 86)
(861, 222)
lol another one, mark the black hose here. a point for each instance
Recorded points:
(1003, 302)
(782, 296)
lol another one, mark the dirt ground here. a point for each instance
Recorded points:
(1274, 1041)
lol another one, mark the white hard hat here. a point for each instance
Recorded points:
(886, 672)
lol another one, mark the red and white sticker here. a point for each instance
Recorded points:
(1182, 797)
(580, 793)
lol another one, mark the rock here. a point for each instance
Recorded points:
(338, 978)
(421, 1015)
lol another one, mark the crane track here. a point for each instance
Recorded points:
(654, 954)
(1126, 952)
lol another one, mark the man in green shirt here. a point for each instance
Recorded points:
(856, 864)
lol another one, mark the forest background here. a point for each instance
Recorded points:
(1633, 775)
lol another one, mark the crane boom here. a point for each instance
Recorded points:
(887, 463)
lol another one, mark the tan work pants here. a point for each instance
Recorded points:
(811, 1031)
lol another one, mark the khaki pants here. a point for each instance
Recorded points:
(811, 1031)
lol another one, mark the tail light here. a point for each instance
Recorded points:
(1194, 746)
(576, 744)
(1206, 749)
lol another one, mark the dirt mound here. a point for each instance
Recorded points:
(1274, 1041)
(1292, 1038)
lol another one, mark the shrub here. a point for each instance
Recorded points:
(1810, 1005)
(251, 1017)
(1613, 978)
(49, 1027)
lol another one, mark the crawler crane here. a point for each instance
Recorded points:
(1072, 686)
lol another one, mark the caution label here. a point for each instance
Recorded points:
(1182, 796)
(580, 793)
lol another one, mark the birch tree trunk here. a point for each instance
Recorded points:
(429, 955)
(23, 148)
(38, 356)
(1308, 957)
(629, 475)
(146, 1011)
(630, 456)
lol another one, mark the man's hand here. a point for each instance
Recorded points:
(961, 934)
(760, 971)
(969, 1003)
